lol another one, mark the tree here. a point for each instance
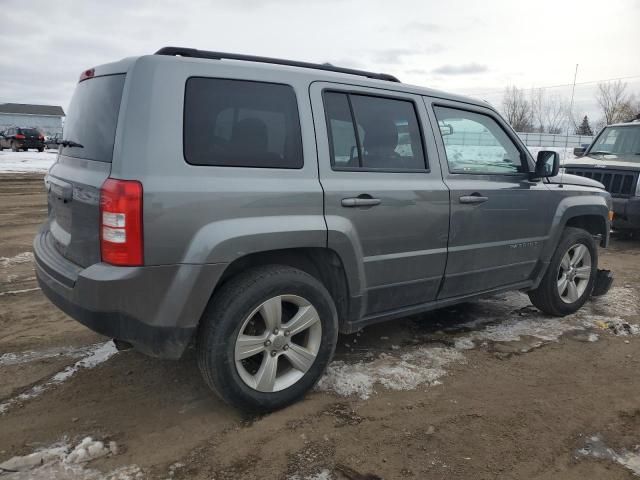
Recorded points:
(584, 128)
(517, 109)
(614, 102)
(550, 113)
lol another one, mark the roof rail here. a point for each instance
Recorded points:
(192, 52)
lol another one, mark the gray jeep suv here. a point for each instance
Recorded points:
(260, 206)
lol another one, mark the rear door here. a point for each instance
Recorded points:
(384, 195)
(31, 136)
(499, 218)
(74, 181)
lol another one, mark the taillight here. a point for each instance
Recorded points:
(87, 74)
(19, 136)
(121, 241)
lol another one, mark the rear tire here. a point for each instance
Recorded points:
(266, 337)
(571, 274)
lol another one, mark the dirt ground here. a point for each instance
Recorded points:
(485, 405)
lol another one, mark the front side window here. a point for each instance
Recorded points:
(373, 133)
(239, 123)
(476, 144)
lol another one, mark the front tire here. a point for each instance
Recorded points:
(266, 337)
(571, 274)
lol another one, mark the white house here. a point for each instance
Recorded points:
(46, 118)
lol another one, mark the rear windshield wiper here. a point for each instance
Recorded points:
(69, 143)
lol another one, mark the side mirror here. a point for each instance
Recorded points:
(446, 129)
(547, 164)
(579, 151)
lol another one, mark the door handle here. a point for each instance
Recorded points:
(474, 198)
(360, 202)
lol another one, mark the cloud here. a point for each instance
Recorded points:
(464, 69)
(394, 56)
(424, 27)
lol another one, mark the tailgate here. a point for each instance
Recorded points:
(84, 163)
(73, 191)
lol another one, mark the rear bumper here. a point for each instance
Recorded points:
(155, 308)
(627, 213)
(30, 144)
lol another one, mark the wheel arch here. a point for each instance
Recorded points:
(324, 264)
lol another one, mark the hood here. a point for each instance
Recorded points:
(606, 160)
(568, 179)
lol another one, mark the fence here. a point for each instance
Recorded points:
(549, 140)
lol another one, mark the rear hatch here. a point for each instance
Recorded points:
(74, 181)
(31, 136)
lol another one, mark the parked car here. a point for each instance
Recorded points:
(614, 160)
(260, 206)
(17, 138)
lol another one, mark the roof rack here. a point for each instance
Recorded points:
(192, 52)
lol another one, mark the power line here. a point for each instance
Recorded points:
(499, 90)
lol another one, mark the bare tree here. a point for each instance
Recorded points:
(517, 109)
(550, 113)
(614, 102)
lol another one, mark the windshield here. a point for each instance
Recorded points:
(92, 118)
(619, 141)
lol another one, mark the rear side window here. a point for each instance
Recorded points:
(373, 133)
(237, 123)
(92, 118)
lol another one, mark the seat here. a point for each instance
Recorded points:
(380, 143)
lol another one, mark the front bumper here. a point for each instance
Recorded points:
(155, 308)
(626, 213)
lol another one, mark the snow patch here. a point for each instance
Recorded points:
(503, 318)
(525, 321)
(423, 365)
(321, 475)
(26, 162)
(24, 257)
(97, 355)
(19, 358)
(596, 448)
(18, 292)
(60, 462)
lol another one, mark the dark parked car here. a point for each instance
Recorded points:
(260, 206)
(17, 138)
(614, 160)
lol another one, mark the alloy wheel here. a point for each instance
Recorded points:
(574, 273)
(278, 343)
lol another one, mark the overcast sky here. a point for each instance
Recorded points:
(464, 46)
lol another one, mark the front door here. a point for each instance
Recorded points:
(383, 192)
(499, 218)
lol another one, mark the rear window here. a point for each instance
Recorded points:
(239, 123)
(92, 118)
(29, 131)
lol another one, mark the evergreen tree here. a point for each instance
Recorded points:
(584, 128)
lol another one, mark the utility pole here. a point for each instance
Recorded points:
(573, 91)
